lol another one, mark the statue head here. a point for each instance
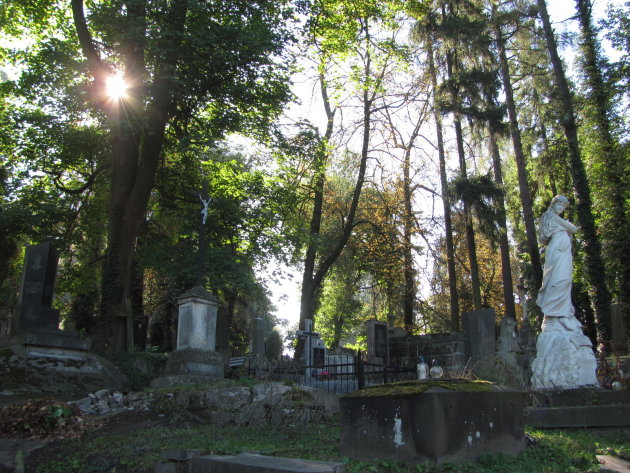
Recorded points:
(558, 204)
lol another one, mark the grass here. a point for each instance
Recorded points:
(557, 451)
(139, 451)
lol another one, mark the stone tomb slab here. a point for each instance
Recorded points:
(435, 426)
(254, 463)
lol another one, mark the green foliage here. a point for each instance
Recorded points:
(480, 192)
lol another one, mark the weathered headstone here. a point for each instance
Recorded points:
(509, 351)
(377, 340)
(479, 334)
(35, 310)
(257, 347)
(434, 426)
(223, 333)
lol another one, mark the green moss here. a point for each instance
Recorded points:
(406, 389)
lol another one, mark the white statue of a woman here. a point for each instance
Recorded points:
(564, 355)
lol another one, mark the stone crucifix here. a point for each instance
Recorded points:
(201, 254)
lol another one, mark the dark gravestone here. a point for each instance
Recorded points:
(434, 426)
(380, 340)
(38, 284)
(223, 333)
(479, 334)
(319, 357)
(258, 337)
(377, 340)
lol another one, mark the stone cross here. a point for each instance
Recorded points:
(313, 346)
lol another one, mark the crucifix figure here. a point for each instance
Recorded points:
(204, 210)
(201, 255)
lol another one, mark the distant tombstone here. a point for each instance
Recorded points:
(258, 337)
(619, 346)
(479, 334)
(223, 332)
(314, 348)
(36, 293)
(377, 339)
(319, 357)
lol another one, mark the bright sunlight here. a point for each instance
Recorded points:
(116, 87)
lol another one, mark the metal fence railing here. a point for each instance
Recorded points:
(336, 378)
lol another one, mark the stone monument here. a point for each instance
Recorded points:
(44, 358)
(195, 359)
(314, 356)
(377, 341)
(564, 355)
(479, 334)
(35, 310)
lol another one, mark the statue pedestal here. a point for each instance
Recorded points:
(564, 356)
(195, 360)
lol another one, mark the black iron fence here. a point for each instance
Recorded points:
(336, 378)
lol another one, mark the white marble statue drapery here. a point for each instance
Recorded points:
(564, 355)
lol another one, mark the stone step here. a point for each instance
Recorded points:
(614, 416)
(254, 463)
(579, 397)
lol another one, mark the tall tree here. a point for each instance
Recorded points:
(340, 29)
(174, 66)
(608, 159)
(424, 31)
(519, 155)
(594, 264)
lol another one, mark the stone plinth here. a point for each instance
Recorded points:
(564, 356)
(197, 324)
(579, 408)
(195, 361)
(435, 426)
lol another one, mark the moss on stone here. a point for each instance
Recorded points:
(406, 389)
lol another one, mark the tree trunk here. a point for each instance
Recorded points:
(593, 263)
(135, 159)
(612, 165)
(309, 289)
(470, 232)
(446, 201)
(309, 292)
(521, 167)
(506, 268)
(409, 294)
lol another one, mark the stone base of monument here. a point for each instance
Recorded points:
(54, 361)
(191, 366)
(564, 356)
(579, 408)
(435, 426)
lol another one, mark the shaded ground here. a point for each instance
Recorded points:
(133, 441)
(104, 448)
